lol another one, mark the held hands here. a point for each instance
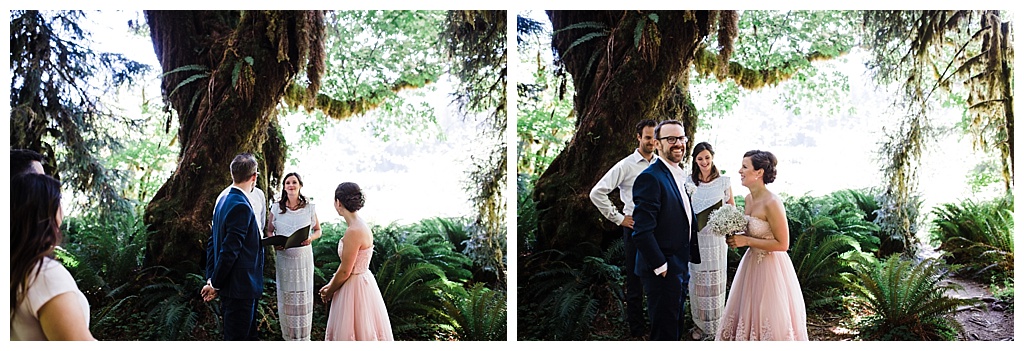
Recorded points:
(208, 292)
(627, 222)
(326, 294)
(737, 240)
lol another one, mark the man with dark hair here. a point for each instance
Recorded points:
(621, 177)
(26, 161)
(665, 232)
(234, 255)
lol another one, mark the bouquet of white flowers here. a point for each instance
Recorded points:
(727, 220)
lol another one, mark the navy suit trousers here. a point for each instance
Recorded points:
(665, 300)
(239, 318)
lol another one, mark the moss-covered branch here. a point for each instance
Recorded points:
(707, 63)
(295, 96)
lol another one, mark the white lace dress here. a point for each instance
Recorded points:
(294, 275)
(707, 279)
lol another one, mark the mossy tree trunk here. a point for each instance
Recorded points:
(633, 67)
(225, 72)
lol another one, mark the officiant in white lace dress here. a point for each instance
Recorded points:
(295, 265)
(708, 191)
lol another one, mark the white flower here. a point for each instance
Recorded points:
(689, 188)
(727, 220)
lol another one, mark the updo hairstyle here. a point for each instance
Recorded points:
(763, 160)
(350, 196)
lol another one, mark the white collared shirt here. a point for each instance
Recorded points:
(257, 200)
(620, 176)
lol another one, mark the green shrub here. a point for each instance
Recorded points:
(564, 295)
(824, 233)
(478, 314)
(127, 300)
(978, 235)
(1004, 292)
(898, 224)
(906, 301)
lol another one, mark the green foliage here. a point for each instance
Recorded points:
(825, 232)
(476, 47)
(108, 249)
(148, 155)
(906, 300)
(58, 100)
(1004, 292)
(589, 31)
(984, 175)
(478, 314)
(564, 295)
(546, 120)
(941, 55)
(427, 284)
(977, 235)
(130, 302)
(846, 212)
(526, 214)
(371, 57)
(786, 43)
(898, 222)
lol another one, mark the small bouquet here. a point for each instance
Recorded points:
(727, 220)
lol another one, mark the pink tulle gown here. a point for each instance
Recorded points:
(357, 308)
(765, 301)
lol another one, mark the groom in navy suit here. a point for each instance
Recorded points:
(664, 230)
(234, 256)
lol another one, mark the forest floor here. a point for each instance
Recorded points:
(990, 321)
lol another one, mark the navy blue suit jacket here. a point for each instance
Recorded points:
(234, 256)
(660, 226)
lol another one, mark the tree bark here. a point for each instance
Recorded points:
(620, 80)
(249, 58)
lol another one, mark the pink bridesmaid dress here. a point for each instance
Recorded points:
(765, 302)
(357, 308)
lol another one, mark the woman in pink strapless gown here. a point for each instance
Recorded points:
(765, 301)
(357, 307)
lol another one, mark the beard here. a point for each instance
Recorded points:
(670, 154)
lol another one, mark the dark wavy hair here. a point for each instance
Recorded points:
(695, 169)
(283, 204)
(763, 160)
(35, 200)
(350, 196)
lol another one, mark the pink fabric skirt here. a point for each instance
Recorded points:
(358, 311)
(765, 301)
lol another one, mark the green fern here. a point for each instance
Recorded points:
(906, 301)
(565, 294)
(825, 233)
(979, 236)
(477, 314)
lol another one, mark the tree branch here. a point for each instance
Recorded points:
(707, 63)
(341, 109)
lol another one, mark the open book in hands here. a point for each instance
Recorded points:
(294, 240)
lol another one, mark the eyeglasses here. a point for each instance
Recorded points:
(674, 139)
